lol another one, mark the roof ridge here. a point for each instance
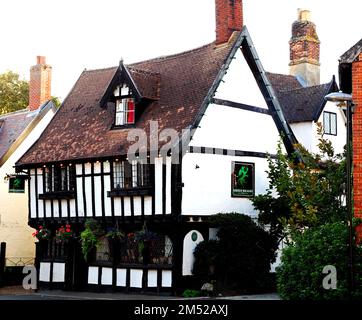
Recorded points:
(175, 55)
(304, 88)
(142, 70)
(100, 69)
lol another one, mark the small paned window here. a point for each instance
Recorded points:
(330, 123)
(59, 178)
(130, 175)
(125, 111)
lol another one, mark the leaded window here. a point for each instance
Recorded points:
(130, 175)
(59, 178)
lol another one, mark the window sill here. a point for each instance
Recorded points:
(142, 191)
(57, 195)
(123, 126)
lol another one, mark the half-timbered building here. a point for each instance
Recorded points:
(228, 120)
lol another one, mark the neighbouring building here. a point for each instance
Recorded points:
(302, 96)
(350, 76)
(82, 167)
(18, 132)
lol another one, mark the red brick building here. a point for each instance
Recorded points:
(350, 70)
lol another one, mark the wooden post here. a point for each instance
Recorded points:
(2, 263)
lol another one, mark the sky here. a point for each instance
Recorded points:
(91, 34)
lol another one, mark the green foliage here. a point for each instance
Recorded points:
(56, 101)
(14, 93)
(190, 293)
(300, 277)
(90, 237)
(240, 258)
(303, 194)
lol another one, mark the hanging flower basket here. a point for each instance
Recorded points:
(42, 233)
(64, 234)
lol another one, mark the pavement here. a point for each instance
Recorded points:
(19, 293)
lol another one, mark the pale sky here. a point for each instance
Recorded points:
(78, 34)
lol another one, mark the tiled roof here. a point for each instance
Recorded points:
(283, 82)
(351, 55)
(11, 127)
(81, 129)
(299, 103)
(303, 104)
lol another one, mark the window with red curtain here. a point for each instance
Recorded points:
(125, 112)
(130, 111)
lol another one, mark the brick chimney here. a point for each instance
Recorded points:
(305, 50)
(229, 18)
(40, 83)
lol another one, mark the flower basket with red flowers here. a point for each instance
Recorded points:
(64, 234)
(42, 233)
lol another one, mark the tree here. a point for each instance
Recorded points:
(303, 193)
(14, 92)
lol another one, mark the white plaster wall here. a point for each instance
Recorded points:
(93, 275)
(121, 277)
(44, 272)
(58, 272)
(136, 278)
(207, 190)
(158, 185)
(338, 141)
(14, 210)
(166, 279)
(236, 129)
(106, 277)
(239, 84)
(152, 279)
(188, 258)
(304, 132)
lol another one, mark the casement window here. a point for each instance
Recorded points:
(59, 178)
(125, 111)
(330, 123)
(130, 175)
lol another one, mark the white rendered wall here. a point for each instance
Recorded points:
(207, 190)
(338, 141)
(304, 132)
(240, 85)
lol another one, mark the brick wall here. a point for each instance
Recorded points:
(40, 83)
(304, 44)
(229, 18)
(357, 139)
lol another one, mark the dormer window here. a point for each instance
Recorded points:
(125, 111)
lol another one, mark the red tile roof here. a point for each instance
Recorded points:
(81, 129)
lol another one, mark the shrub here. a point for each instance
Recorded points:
(241, 257)
(190, 293)
(300, 277)
(90, 237)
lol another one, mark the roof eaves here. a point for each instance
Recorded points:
(41, 114)
(331, 87)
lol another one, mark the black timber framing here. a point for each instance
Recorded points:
(244, 42)
(241, 106)
(230, 152)
(111, 186)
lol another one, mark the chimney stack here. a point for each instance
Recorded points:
(40, 83)
(229, 18)
(305, 50)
